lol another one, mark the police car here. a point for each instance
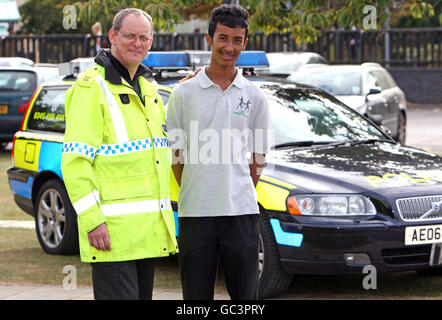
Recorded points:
(337, 192)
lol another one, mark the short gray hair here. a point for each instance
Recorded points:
(119, 17)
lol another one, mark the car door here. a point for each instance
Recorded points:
(376, 103)
(390, 96)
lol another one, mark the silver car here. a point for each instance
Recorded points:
(282, 64)
(368, 88)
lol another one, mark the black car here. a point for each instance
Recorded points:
(19, 78)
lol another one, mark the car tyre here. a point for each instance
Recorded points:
(273, 279)
(430, 272)
(55, 219)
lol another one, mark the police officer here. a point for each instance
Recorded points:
(116, 164)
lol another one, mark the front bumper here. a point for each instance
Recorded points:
(323, 247)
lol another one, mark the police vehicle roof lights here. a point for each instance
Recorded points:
(169, 60)
(185, 60)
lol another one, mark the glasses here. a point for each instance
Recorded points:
(133, 37)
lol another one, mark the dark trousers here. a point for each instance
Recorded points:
(233, 241)
(125, 280)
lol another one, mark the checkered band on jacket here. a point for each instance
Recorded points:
(116, 149)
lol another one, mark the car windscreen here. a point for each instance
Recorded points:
(334, 81)
(17, 81)
(312, 115)
(47, 113)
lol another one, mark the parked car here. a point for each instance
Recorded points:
(368, 88)
(336, 194)
(18, 81)
(282, 64)
(15, 62)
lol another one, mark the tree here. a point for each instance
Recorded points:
(46, 17)
(306, 19)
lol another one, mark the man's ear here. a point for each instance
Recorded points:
(245, 43)
(112, 35)
(209, 40)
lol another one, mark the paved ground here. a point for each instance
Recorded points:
(45, 292)
(39, 292)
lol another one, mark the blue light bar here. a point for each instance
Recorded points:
(249, 59)
(169, 60)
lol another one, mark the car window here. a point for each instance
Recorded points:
(317, 60)
(17, 81)
(47, 113)
(389, 79)
(299, 115)
(333, 81)
(379, 80)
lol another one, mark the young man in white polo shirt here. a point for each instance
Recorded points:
(214, 120)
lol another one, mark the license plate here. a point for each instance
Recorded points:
(423, 234)
(3, 108)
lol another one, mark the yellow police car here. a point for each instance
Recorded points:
(337, 193)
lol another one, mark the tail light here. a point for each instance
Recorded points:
(24, 106)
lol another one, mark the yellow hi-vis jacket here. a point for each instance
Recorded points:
(116, 165)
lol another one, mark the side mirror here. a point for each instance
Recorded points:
(386, 130)
(374, 91)
(376, 118)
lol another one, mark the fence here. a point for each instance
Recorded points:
(396, 48)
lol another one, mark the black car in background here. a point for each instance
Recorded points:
(19, 78)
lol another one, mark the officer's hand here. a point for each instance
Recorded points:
(190, 75)
(99, 238)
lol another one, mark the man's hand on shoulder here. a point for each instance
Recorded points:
(190, 75)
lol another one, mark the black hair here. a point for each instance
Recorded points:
(229, 15)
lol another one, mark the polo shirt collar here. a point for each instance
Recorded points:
(205, 81)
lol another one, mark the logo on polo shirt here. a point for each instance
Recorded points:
(243, 107)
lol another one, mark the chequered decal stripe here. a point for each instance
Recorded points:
(81, 148)
(116, 149)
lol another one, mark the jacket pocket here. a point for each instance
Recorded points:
(125, 187)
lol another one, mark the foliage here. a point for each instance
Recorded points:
(46, 17)
(307, 19)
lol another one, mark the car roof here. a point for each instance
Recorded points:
(356, 67)
(15, 61)
(18, 68)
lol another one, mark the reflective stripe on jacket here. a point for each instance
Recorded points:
(116, 167)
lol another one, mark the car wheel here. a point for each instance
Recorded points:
(401, 128)
(273, 280)
(55, 219)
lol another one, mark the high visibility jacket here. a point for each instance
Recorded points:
(116, 167)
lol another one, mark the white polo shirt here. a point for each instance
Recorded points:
(218, 130)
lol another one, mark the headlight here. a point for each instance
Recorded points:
(330, 205)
